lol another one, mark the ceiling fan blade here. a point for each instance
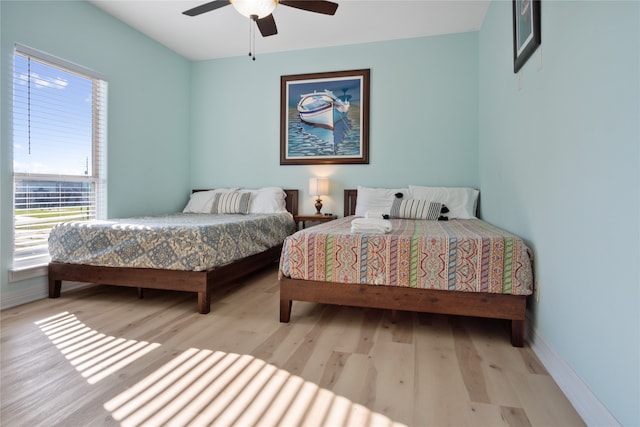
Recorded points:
(207, 7)
(317, 6)
(267, 26)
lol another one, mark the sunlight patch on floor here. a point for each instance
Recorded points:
(202, 387)
(93, 354)
(205, 387)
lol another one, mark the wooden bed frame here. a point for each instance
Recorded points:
(497, 306)
(201, 282)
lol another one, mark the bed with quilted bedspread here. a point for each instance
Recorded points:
(184, 241)
(188, 251)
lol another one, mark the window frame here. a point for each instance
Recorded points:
(33, 262)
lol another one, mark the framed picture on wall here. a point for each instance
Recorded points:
(324, 118)
(526, 31)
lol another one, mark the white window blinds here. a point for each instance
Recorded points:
(59, 150)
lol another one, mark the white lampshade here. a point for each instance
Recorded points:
(318, 186)
(260, 8)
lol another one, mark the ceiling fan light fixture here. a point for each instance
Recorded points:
(250, 8)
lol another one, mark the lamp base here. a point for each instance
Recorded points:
(318, 206)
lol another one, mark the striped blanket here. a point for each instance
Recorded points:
(460, 255)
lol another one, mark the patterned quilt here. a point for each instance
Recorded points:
(193, 242)
(461, 255)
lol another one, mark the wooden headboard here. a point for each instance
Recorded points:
(291, 200)
(350, 197)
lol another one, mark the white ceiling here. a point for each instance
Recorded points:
(225, 33)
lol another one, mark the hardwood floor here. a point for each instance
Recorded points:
(100, 356)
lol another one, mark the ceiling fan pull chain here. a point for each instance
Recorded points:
(250, 30)
(254, 23)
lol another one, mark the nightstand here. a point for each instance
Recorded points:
(312, 218)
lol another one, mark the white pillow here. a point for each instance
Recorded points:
(461, 201)
(376, 199)
(267, 200)
(202, 201)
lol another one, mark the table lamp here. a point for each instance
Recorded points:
(318, 187)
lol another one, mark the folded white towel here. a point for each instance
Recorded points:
(370, 225)
(374, 214)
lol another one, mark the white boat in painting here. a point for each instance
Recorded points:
(322, 108)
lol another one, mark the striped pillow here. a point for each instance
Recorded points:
(415, 209)
(231, 203)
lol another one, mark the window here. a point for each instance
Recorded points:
(59, 146)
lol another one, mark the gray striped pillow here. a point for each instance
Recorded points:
(415, 209)
(231, 203)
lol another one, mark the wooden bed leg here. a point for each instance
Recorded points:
(204, 302)
(140, 293)
(517, 333)
(54, 288)
(285, 310)
(394, 316)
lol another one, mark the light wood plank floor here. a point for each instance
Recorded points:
(100, 356)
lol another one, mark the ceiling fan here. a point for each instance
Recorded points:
(260, 10)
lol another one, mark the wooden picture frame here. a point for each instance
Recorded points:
(324, 118)
(526, 31)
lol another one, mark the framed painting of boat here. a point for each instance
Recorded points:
(324, 118)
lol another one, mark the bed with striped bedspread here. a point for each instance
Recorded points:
(457, 255)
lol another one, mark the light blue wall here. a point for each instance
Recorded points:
(559, 165)
(148, 121)
(424, 110)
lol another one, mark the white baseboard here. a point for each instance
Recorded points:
(21, 296)
(592, 411)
